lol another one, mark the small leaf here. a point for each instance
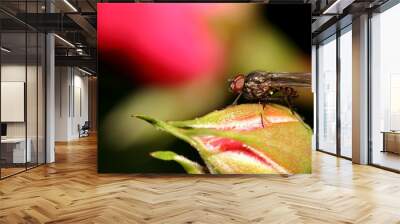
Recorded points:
(189, 166)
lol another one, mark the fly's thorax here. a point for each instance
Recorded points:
(257, 88)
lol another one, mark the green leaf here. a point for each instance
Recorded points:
(189, 166)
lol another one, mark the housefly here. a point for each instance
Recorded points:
(265, 87)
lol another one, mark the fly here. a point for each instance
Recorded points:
(265, 87)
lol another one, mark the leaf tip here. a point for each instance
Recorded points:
(163, 155)
(145, 118)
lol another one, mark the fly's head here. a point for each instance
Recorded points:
(237, 84)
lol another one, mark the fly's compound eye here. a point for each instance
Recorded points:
(237, 84)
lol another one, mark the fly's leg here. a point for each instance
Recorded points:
(285, 100)
(262, 113)
(288, 94)
(288, 101)
(236, 99)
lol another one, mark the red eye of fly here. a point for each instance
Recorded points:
(237, 84)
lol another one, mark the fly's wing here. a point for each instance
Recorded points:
(290, 79)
